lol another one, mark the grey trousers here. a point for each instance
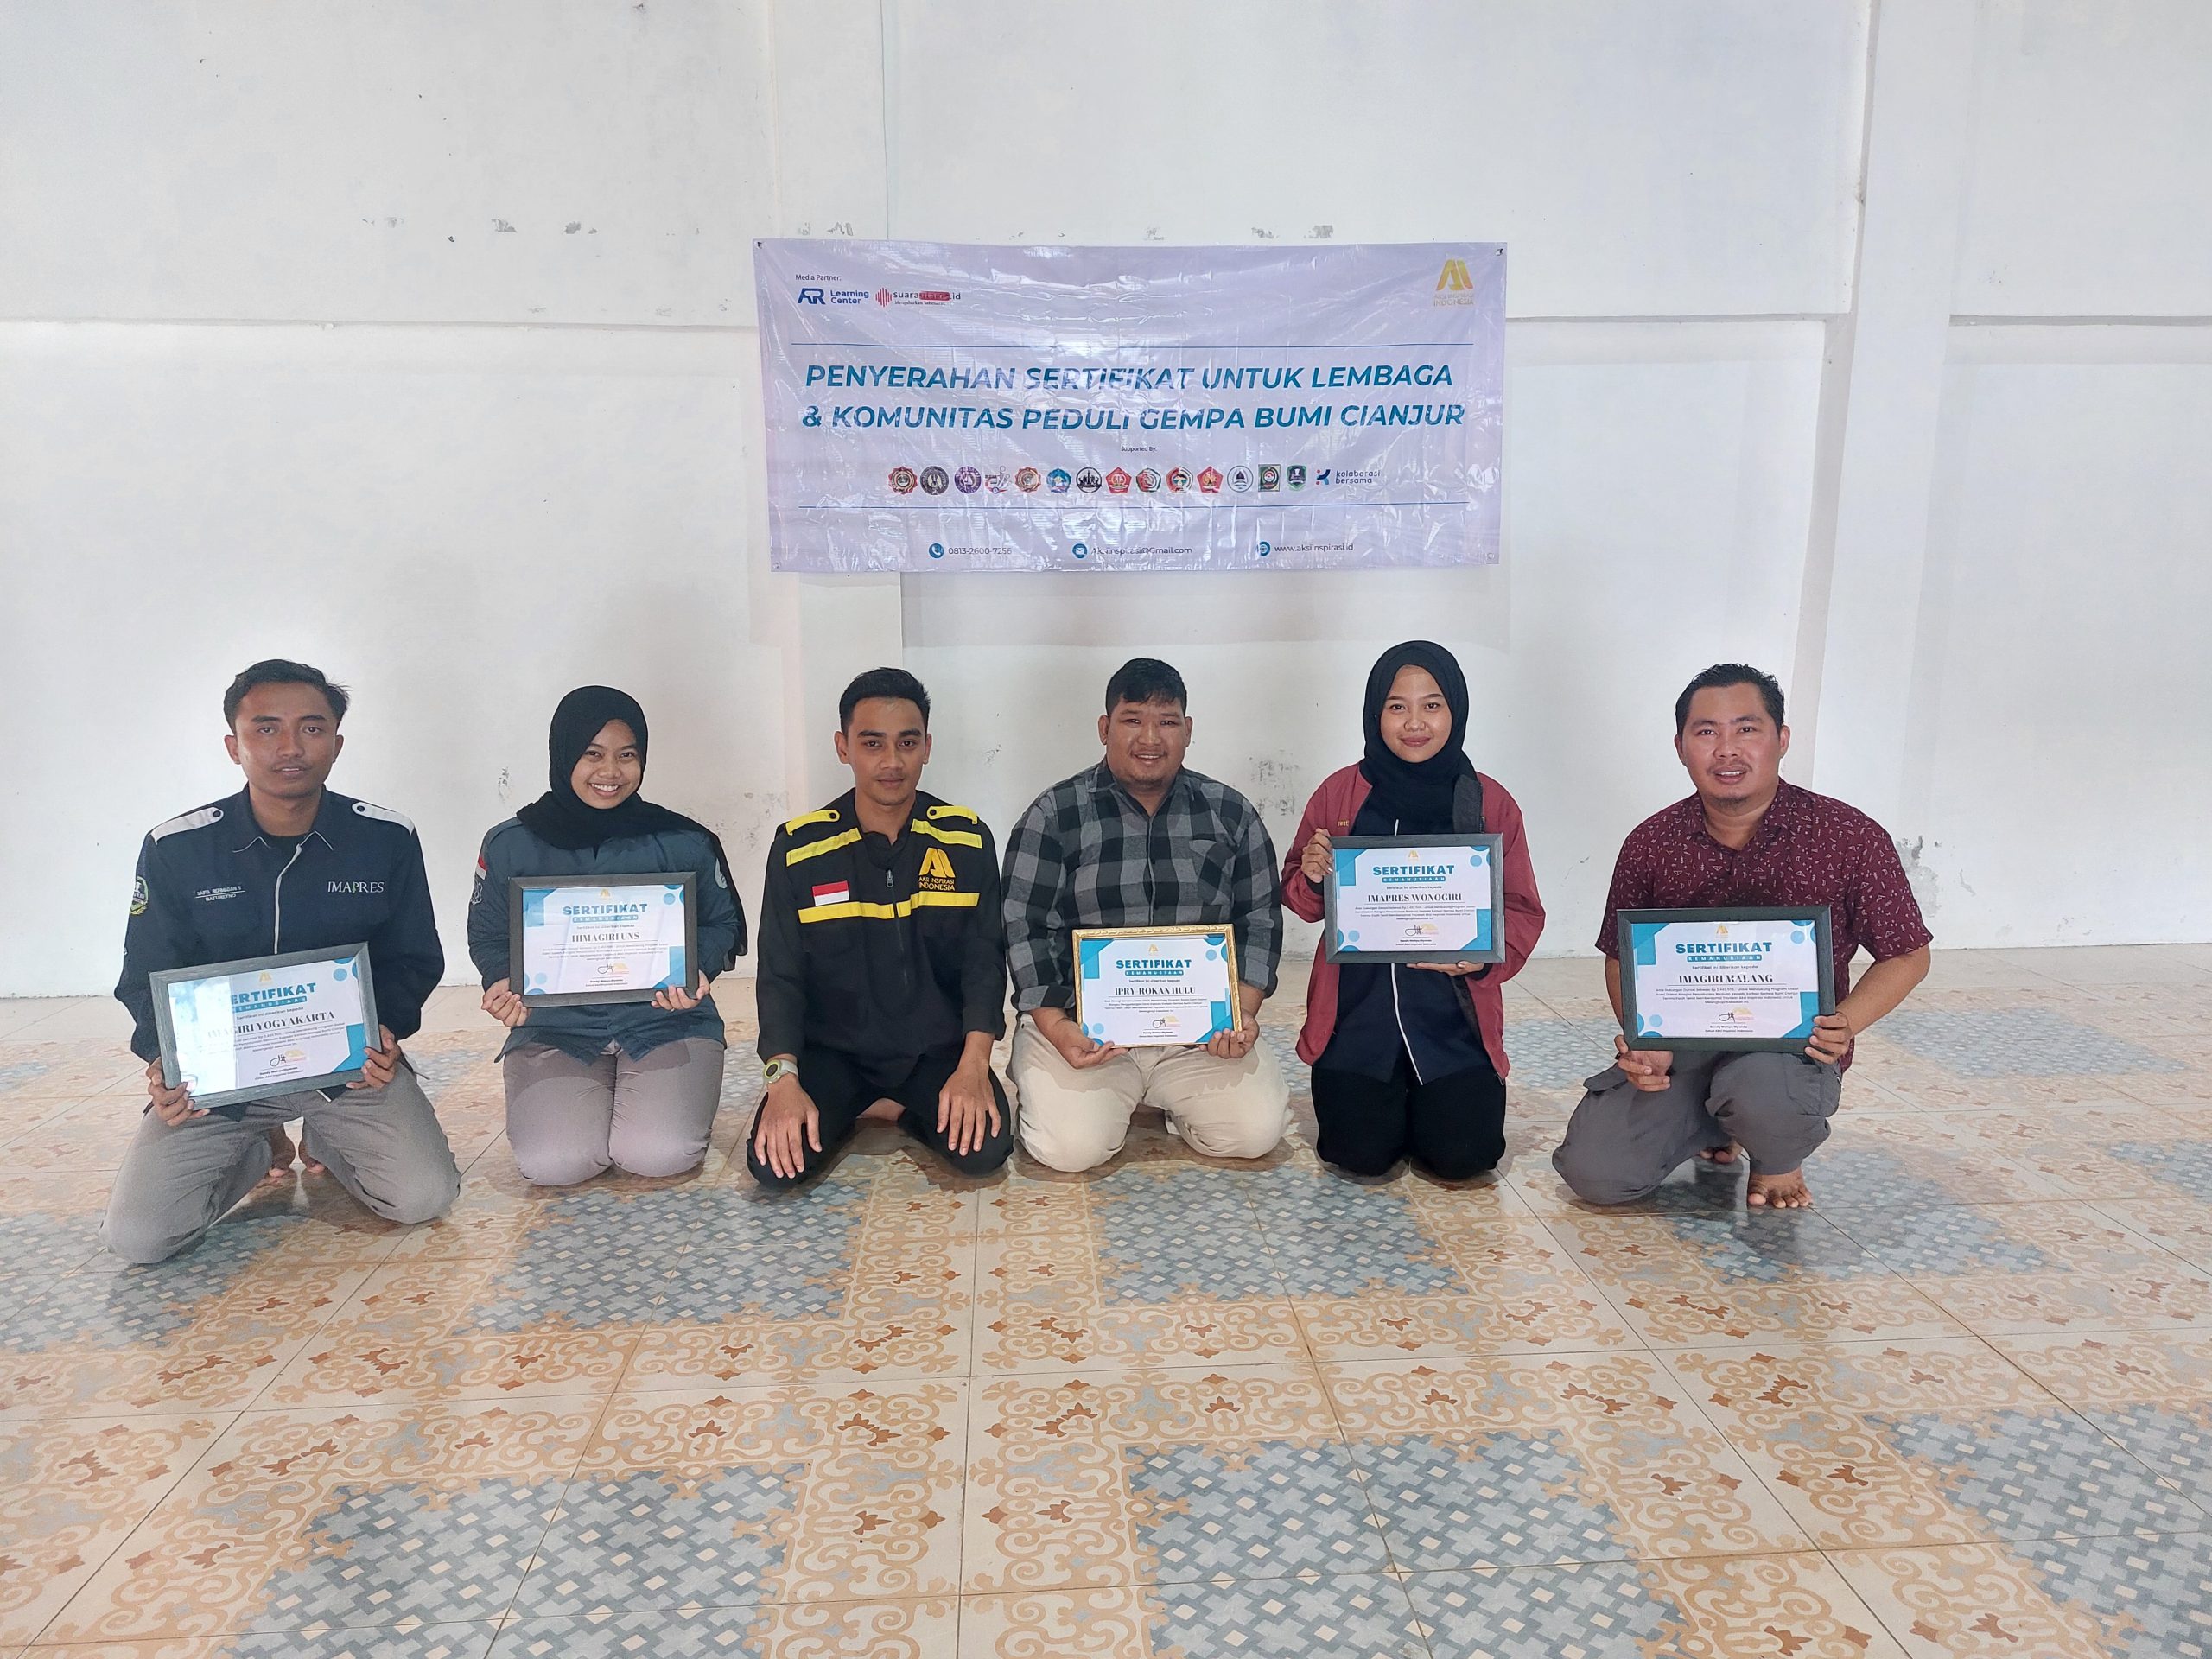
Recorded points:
(568, 1120)
(384, 1146)
(1622, 1142)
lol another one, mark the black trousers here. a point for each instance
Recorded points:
(1454, 1128)
(843, 1086)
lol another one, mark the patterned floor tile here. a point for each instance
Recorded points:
(71, 1490)
(2016, 1269)
(1926, 1442)
(49, 1224)
(2097, 1598)
(203, 1332)
(2182, 1225)
(1356, 1616)
(1692, 1280)
(1559, 1053)
(2189, 1092)
(1098, 1478)
(794, 1493)
(1158, 1260)
(410, 1639)
(79, 1136)
(49, 1072)
(1510, 1462)
(23, 1116)
(2091, 1153)
(1926, 1091)
(489, 1330)
(346, 1518)
(1413, 1267)
(1912, 1161)
(2151, 1391)
(868, 1272)
(913, 1628)
(2019, 1042)
(1723, 1608)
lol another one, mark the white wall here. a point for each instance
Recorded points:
(415, 340)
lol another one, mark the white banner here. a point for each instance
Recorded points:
(935, 407)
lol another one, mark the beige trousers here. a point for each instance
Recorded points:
(1074, 1120)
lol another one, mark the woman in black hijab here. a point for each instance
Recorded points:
(632, 1085)
(1409, 1060)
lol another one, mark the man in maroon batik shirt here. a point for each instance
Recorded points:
(1744, 838)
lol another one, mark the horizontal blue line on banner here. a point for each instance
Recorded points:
(1383, 345)
(1179, 507)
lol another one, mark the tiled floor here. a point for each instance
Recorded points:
(1964, 1409)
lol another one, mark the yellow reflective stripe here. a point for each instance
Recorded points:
(827, 815)
(852, 908)
(816, 849)
(839, 912)
(950, 837)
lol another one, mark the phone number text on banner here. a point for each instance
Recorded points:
(935, 407)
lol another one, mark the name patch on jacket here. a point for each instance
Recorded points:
(355, 886)
(209, 895)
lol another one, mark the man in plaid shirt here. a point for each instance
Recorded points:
(1139, 842)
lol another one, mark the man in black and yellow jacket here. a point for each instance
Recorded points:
(882, 981)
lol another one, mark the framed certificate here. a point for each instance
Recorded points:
(1740, 978)
(267, 1026)
(1415, 898)
(619, 941)
(1156, 987)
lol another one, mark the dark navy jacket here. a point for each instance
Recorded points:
(582, 1030)
(211, 887)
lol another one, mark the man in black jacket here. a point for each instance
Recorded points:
(283, 865)
(882, 981)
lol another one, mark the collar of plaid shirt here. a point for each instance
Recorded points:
(1103, 782)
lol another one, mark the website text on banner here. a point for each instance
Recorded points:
(935, 407)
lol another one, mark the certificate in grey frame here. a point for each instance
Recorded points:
(350, 971)
(1489, 921)
(1639, 931)
(527, 895)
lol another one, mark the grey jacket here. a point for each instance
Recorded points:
(582, 1031)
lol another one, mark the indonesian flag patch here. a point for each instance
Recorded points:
(835, 892)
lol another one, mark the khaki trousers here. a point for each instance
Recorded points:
(1075, 1120)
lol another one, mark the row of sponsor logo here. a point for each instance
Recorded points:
(822, 294)
(1454, 286)
(1146, 480)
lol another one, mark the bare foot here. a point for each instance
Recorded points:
(1783, 1192)
(883, 1111)
(1725, 1156)
(280, 1156)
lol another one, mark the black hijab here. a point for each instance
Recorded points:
(1418, 793)
(562, 818)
